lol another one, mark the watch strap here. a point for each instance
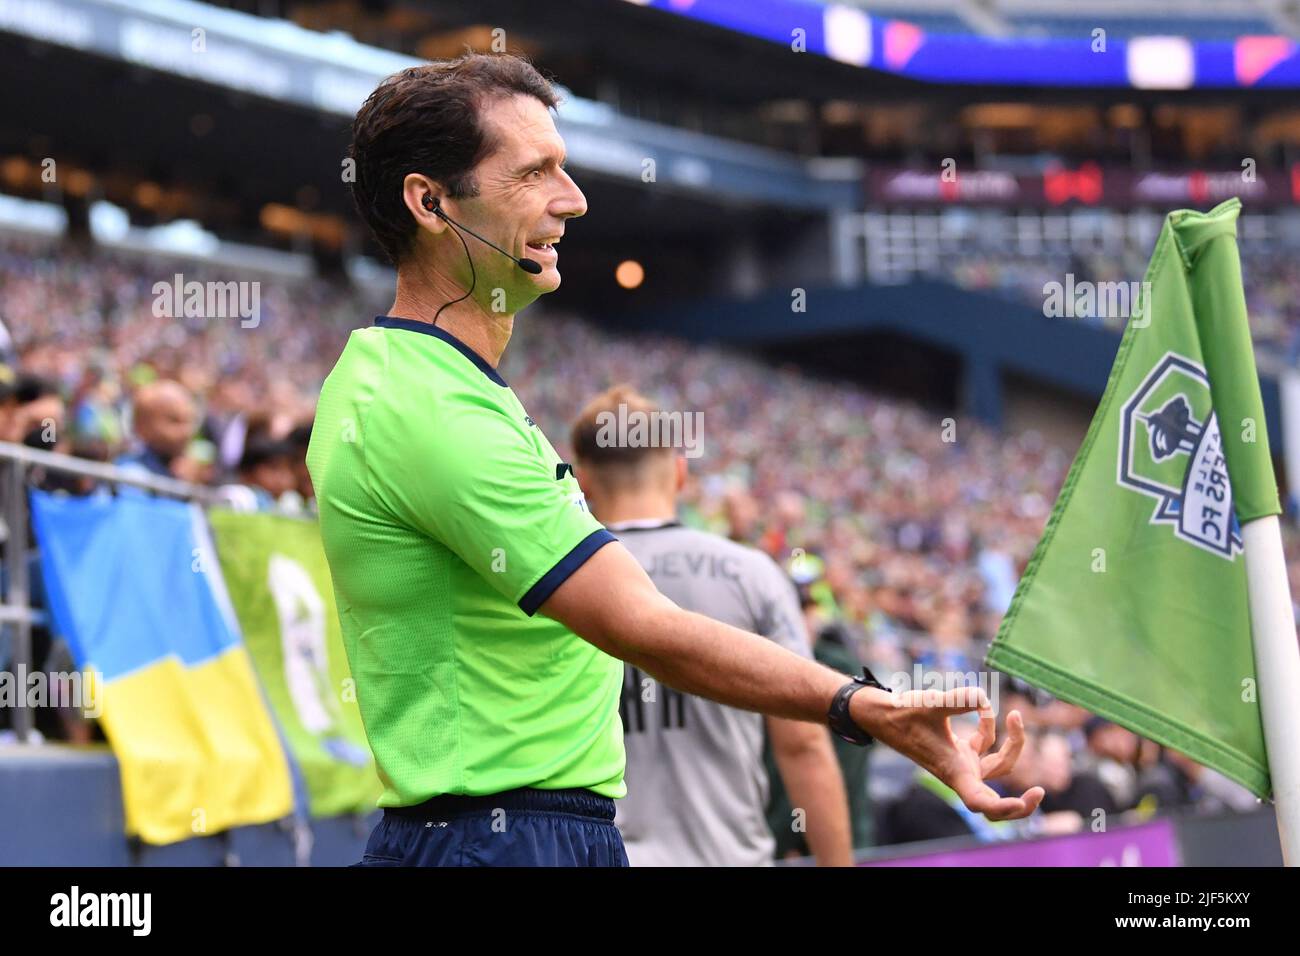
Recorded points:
(838, 715)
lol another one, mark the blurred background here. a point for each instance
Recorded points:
(832, 228)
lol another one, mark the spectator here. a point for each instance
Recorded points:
(1111, 757)
(1079, 793)
(303, 493)
(164, 420)
(37, 412)
(266, 474)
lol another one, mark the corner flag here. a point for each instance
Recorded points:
(1136, 603)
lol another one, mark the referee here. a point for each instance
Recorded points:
(484, 610)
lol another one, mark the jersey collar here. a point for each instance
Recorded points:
(427, 328)
(643, 524)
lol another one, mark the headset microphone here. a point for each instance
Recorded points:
(531, 266)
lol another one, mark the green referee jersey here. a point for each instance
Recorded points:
(447, 521)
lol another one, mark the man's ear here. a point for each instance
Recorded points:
(416, 188)
(682, 471)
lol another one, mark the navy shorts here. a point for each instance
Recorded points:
(514, 828)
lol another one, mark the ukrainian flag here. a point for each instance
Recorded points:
(135, 587)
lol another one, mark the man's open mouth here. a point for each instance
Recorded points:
(546, 245)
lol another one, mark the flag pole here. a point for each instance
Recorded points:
(1277, 669)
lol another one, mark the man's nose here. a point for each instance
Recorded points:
(571, 203)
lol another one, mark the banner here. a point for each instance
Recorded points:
(1085, 185)
(134, 588)
(280, 586)
(1134, 604)
(1150, 844)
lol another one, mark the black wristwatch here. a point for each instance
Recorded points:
(838, 716)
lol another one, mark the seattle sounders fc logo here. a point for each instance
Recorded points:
(1170, 448)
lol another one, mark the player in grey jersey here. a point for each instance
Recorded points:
(697, 788)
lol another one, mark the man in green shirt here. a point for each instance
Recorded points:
(484, 610)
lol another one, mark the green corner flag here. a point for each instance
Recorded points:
(1135, 604)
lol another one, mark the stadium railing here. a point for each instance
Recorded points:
(18, 465)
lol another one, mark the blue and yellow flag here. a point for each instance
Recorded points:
(135, 588)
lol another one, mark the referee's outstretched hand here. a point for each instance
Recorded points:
(612, 602)
(920, 728)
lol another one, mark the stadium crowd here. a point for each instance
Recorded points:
(1271, 275)
(905, 532)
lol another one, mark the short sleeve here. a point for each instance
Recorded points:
(486, 486)
(779, 617)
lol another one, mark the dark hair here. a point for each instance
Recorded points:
(30, 388)
(426, 120)
(584, 435)
(300, 437)
(263, 450)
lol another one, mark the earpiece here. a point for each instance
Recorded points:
(531, 266)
